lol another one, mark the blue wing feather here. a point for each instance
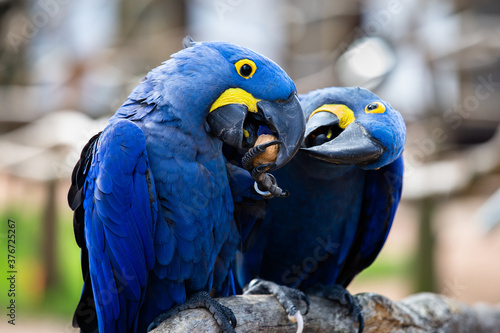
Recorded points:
(165, 247)
(381, 197)
(249, 207)
(120, 213)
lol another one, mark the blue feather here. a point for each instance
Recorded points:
(338, 217)
(159, 212)
(116, 247)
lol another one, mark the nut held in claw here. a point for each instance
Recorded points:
(271, 152)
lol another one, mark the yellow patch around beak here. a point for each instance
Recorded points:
(236, 96)
(345, 115)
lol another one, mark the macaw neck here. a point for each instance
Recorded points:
(187, 98)
(319, 169)
(187, 119)
(169, 94)
(196, 127)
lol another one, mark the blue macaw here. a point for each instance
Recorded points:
(346, 184)
(153, 207)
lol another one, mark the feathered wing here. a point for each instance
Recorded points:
(249, 212)
(249, 207)
(382, 193)
(118, 205)
(85, 315)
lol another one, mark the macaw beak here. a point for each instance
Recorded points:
(286, 121)
(327, 141)
(239, 124)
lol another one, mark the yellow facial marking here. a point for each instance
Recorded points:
(247, 71)
(236, 96)
(329, 134)
(375, 107)
(245, 133)
(346, 116)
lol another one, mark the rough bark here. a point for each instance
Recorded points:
(424, 312)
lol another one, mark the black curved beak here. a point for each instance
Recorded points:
(236, 126)
(226, 123)
(327, 141)
(286, 120)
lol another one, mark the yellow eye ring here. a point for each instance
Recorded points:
(375, 107)
(245, 68)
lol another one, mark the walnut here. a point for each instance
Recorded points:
(271, 152)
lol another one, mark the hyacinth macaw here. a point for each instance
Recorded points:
(346, 184)
(153, 208)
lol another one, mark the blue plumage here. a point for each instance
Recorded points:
(346, 184)
(151, 193)
(119, 233)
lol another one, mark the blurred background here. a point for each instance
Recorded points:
(67, 65)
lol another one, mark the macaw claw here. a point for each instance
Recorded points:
(289, 298)
(341, 295)
(222, 314)
(261, 169)
(266, 185)
(249, 156)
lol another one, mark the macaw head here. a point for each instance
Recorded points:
(352, 126)
(238, 94)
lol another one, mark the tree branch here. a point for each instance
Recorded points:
(423, 312)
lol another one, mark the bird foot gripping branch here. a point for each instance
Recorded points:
(223, 315)
(289, 298)
(258, 160)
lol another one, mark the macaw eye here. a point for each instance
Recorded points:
(375, 107)
(246, 68)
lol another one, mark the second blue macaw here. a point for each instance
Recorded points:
(346, 184)
(151, 193)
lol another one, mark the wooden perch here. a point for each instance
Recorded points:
(423, 312)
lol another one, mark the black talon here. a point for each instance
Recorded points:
(267, 182)
(341, 295)
(286, 296)
(358, 314)
(258, 170)
(254, 152)
(247, 160)
(223, 315)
